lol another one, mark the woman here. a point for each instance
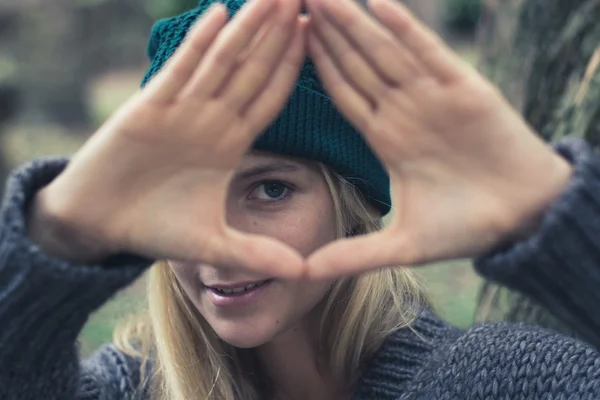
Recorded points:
(275, 279)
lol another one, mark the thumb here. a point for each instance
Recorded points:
(262, 254)
(360, 254)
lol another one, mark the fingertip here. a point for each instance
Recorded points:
(300, 36)
(218, 7)
(214, 11)
(222, 10)
(303, 22)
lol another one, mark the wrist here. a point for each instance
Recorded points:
(53, 232)
(527, 219)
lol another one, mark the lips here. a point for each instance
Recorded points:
(228, 289)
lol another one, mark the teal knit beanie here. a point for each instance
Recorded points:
(308, 127)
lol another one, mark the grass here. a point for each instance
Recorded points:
(452, 286)
(99, 328)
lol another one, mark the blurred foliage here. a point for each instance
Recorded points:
(463, 15)
(166, 8)
(8, 69)
(155, 8)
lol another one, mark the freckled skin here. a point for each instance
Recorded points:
(304, 220)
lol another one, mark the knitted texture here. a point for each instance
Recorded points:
(44, 303)
(309, 126)
(568, 253)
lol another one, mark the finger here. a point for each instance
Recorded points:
(253, 72)
(354, 105)
(180, 67)
(351, 63)
(361, 254)
(269, 102)
(264, 255)
(221, 58)
(374, 42)
(422, 42)
(262, 35)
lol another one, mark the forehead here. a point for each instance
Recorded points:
(256, 159)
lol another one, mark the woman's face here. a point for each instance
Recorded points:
(284, 198)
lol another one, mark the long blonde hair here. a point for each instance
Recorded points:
(189, 361)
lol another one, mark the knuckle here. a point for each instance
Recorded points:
(223, 57)
(386, 95)
(354, 68)
(197, 44)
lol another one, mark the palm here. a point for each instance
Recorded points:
(465, 168)
(442, 166)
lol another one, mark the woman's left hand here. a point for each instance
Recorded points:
(467, 172)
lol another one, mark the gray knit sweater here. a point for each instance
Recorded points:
(44, 303)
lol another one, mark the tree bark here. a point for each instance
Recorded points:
(545, 57)
(64, 45)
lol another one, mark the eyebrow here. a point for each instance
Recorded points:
(275, 166)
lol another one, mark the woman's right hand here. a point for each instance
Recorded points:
(154, 179)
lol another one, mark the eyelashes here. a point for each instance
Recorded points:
(271, 191)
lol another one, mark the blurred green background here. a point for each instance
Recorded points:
(65, 66)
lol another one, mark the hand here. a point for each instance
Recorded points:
(466, 171)
(153, 180)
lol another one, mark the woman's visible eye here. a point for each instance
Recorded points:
(270, 191)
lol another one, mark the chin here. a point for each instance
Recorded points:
(246, 332)
(244, 339)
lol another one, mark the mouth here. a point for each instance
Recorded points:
(238, 288)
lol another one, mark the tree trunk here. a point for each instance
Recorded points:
(54, 84)
(545, 57)
(9, 98)
(64, 45)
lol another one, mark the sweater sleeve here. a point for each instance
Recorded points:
(45, 302)
(559, 266)
(501, 361)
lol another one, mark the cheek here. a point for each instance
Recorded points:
(305, 232)
(308, 295)
(187, 277)
(182, 271)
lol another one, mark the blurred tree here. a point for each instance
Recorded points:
(545, 56)
(63, 45)
(161, 8)
(9, 87)
(9, 97)
(462, 16)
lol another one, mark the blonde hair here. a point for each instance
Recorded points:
(189, 361)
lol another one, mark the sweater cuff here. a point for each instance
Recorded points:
(44, 301)
(559, 266)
